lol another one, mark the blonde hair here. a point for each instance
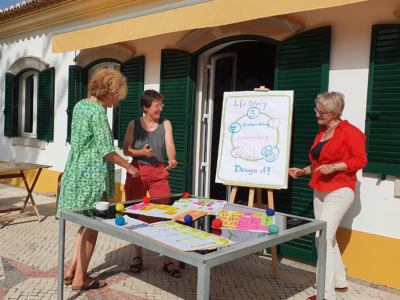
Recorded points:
(331, 102)
(108, 82)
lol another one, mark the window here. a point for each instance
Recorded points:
(112, 115)
(29, 102)
(383, 107)
(27, 116)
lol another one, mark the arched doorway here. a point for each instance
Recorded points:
(239, 66)
(300, 63)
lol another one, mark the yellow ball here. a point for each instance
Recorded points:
(120, 207)
(119, 214)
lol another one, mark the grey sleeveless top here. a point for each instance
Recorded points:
(155, 139)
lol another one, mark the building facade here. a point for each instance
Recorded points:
(49, 51)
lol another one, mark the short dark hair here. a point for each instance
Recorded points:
(147, 98)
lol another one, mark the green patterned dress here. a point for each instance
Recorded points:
(87, 173)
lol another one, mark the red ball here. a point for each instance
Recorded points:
(216, 231)
(217, 223)
(146, 200)
(185, 195)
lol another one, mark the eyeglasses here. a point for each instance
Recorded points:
(319, 112)
(159, 106)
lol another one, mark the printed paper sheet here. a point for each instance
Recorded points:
(194, 213)
(208, 205)
(155, 210)
(245, 221)
(129, 222)
(182, 237)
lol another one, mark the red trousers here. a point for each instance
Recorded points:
(152, 178)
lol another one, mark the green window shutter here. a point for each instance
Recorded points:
(11, 106)
(76, 92)
(302, 65)
(45, 110)
(383, 108)
(176, 85)
(129, 108)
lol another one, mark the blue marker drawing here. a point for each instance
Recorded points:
(253, 112)
(270, 153)
(234, 128)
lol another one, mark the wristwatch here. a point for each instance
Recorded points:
(334, 168)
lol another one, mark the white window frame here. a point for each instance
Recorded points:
(94, 69)
(21, 104)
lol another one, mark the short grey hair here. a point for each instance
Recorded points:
(331, 102)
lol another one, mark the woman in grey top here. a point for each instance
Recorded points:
(146, 140)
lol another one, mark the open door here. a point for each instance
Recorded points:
(222, 79)
(302, 64)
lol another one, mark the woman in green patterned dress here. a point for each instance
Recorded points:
(89, 174)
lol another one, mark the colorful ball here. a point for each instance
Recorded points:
(120, 221)
(216, 231)
(119, 207)
(273, 228)
(217, 223)
(188, 218)
(270, 212)
(146, 200)
(185, 195)
(119, 214)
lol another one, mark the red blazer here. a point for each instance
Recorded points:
(346, 145)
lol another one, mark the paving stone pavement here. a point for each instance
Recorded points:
(29, 253)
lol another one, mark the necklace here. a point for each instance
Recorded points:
(331, 129)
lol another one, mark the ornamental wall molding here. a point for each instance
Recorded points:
(277, 28)
(114, 51)
(28, 61)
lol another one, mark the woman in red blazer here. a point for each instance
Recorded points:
(337, 154)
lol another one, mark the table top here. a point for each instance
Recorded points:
(20, 166)
(247, 242)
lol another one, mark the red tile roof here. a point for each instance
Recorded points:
(24, 6)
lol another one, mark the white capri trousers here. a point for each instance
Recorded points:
(331, 207)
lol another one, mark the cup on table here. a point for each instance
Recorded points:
(13, 163)
(101, 206)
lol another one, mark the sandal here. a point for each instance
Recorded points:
(340, 290)
(68, 280)
(173, 272)
(96, 284)
(137, 267)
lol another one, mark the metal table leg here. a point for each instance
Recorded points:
(321, 264)
(203, 282)
(61, 248)
(207, 224)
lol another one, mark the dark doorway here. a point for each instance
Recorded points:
(255, 67)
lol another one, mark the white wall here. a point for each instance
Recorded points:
(375, 209)
(56, 152)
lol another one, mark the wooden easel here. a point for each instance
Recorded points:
(259, 201)
(260, 205)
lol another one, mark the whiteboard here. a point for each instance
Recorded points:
(254, 144)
